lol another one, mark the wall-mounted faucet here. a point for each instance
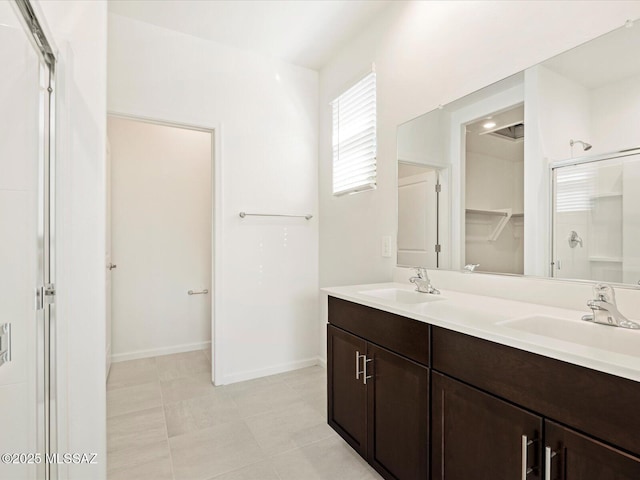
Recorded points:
(422, 282)
(471, 267)
(605, 310)
(574, 239)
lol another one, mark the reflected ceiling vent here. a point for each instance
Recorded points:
(514, 132)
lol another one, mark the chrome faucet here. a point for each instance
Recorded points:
(471, 267)
(422, 282)
(605, 310)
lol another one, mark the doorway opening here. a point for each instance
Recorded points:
(494, 192)
(160, 243)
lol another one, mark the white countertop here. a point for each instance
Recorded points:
(617, 351)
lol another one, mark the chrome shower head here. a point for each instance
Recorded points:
(585, 146)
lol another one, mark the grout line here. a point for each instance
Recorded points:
(282, 383)
(164, 415)
(218, 475)
(330, 435)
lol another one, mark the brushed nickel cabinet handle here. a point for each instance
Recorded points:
(366, 377)
(358, 372)
(525, 457)
(548, 455)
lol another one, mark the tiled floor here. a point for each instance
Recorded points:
(167, 422)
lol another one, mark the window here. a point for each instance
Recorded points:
(354, 138)
(574, 189)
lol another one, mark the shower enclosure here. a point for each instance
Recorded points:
(596, 218)
(27, 347)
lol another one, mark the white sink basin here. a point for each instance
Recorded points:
(602, 337)
(401, 296)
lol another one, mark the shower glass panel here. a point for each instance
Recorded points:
(596, 220)
(25, 254)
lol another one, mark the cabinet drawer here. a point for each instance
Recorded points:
(402, 335)
(597, 403)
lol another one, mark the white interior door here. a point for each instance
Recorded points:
(161, 238)
(418, 220)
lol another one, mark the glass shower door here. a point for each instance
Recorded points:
(24, 250)
(596, 220)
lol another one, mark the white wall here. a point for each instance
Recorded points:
(615, 116)
(422, 140)
(564, 114)
(422, 60)
(79, 30)
(266, 312)
(161, 238)
(557, 110)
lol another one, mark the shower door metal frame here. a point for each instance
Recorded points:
(46, 331)
(552, 204)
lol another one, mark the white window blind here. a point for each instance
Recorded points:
(354, 138)
(574, 189)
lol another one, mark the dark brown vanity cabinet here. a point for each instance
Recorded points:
(398, 415)
(378, 399)
(347, 406)
(574, 456)
(423, 402)
(567, 399)
(475, 435)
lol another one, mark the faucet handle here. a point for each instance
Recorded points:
(421, 272)
(605, 292)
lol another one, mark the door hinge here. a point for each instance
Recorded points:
(45, 295)
(438, 248)
(438, 188)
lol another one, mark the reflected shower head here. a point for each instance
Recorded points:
(585, 146)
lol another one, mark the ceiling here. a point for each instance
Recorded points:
(303, 32)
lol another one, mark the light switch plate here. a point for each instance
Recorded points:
(386, 246)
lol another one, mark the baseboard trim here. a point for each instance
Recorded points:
(265, 372)
(156, 352)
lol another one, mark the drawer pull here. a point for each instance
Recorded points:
(525, 457)
(358, 371)
(366, 377)
(548, 455)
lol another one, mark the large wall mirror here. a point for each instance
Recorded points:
(538, 174)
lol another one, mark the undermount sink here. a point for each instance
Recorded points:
(602, 337)
(401, 296)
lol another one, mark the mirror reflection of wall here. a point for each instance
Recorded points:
(494, 192)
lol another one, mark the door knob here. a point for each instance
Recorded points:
(111, 266)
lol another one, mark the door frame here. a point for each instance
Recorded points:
(215, 129)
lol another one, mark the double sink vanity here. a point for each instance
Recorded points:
(452, 385)
(459, 386)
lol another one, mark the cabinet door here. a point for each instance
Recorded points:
(398, 413)
(477, 436)
(347, 393)
(573, 456)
